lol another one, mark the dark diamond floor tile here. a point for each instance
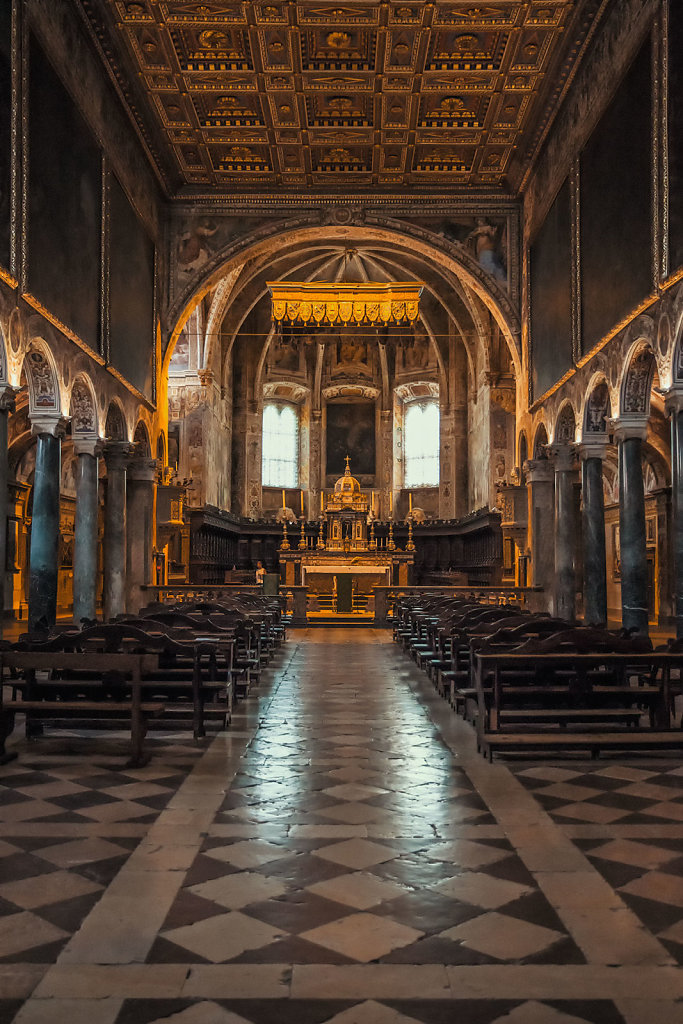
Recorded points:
(465, 1011)
(430, 912)
(9, 1009)
(511, 869)
(294, 1011)
(595, 1011)
(298, 912)
(204, 869)
(102, 871)
(614, 873)
(103, 780)
(69, 914)
(414, 871)
(188, 908)
(23, 779)
(165, 952)
(292, 950)
(10, 796)
(655, 916)
(535, 909)
(23, 865)
(564, 951)
(77, 801)
(303, 869)
(435, 950)
(46, 954)
(142, 1011)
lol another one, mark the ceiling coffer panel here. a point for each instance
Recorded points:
(302, 93)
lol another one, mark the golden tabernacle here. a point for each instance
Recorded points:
(300, 302)
(348, 561)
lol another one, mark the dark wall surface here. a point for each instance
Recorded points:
(64, 204)
(550, 269)
(676, 136)
(131, 292)
(5, 130)
(616, 233)
(351, 431)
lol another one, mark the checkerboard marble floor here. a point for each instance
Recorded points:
(340, 854)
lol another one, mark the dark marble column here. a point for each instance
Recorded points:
(564, 458)
(540, 477)
(85, 531)
(633, 543)
(593, 522)
(44, 552)
(116, 456)
(140, 514)
(6, 407)
(674, 406)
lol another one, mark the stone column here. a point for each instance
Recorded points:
(6, 407)
(629, 433)
(87, 449)
(592, 453)
(674, 406)
(385, 469)
(140, 522)
(116, 456)
(564, 458)
(540, 478)
(44, 553)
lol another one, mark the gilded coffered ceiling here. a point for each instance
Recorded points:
(291, 96)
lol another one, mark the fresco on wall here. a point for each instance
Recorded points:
(5, 130)
(283, 354)
(415, 352)
(550, 269)
(131, 293)
(351, 350)
(351, 431)
(64, 204)
(199, 238)
(676, 136)
(484, 237)
(616, 237)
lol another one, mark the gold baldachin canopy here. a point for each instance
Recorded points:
(299, 302)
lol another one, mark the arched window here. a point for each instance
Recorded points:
(280, 465)
(421, 444)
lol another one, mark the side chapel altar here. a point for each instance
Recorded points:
(339, 573)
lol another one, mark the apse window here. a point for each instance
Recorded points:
(421, 444)
(280, 465)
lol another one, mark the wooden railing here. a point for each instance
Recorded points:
(188, 592)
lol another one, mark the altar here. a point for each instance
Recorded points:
(340, 572)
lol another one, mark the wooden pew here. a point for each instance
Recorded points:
(100, 686)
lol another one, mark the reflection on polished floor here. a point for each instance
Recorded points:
(340, 854)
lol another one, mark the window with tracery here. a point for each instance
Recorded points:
(421, 444)
(280, 445)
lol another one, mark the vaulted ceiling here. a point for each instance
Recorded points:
(298, 94)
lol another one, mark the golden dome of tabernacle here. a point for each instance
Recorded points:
(347, 487)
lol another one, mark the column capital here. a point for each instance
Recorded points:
(117, 454)
(47, 422)
(673, 399)
(563, 456)
(143, 470)
(593, 446)
(8, 396)
(627, 427)
(539, 471)
(87, 444)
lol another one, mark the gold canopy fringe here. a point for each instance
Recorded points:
(296, 302)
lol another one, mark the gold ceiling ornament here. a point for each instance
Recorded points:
(298, 302)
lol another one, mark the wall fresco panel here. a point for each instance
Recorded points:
(550, 270)
(131, 292)
(64, 204)
(616, 197)
(676, 136)
(351, 431)
(5, 130)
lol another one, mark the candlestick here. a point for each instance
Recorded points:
(302, 541)
(285, 539)
(373, 542)
(410, 545)
(390, 540)
(321, 541)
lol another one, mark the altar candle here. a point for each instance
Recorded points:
(321, 501)
(302, 503)
(373, 501)
(410, 501)
(283, 498)
(391, 503)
